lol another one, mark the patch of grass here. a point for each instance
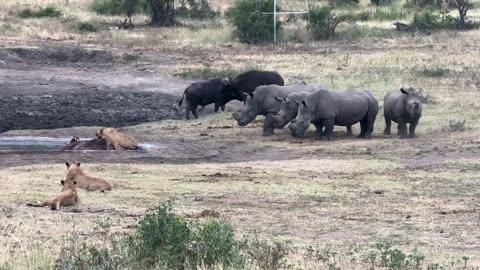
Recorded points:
(456, 126)
(208, 72)
(433, 72)
(265, 255)
(49, 11)
(379, 14)
(88, 27)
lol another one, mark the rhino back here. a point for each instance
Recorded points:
(351, 106)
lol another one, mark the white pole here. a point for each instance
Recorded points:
(275, 21)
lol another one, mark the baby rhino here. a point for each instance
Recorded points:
(402, 107)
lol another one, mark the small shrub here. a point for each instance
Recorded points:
(196, 9)
(87, 27)
(265, 255)
(119, 7)
(49, 11)
(433, 21)
(379, 14)
(433, 72)
(432, 4)
(380, 2)
(323, 22)
(251, 26)
(343, 3)
(79, 255)
(456, 126)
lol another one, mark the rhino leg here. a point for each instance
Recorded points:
(388, 125)
(318, 130)
(349, 131)
(363, 128)
(402, 129)
(216, 108)
(412, 127)
(222, 107)
(268, 125)
(328, 133)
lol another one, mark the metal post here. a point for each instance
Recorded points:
(275, 21)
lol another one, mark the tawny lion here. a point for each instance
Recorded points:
(89, 183)
(117, 140)
(67, 197)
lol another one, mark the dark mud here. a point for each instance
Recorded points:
(58, 87)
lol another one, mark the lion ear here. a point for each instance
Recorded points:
(78, 164)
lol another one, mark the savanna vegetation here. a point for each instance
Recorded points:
(269, 203)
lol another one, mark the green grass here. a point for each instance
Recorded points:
(47, 12)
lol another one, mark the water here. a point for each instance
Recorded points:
(28, 143)
(43, 144)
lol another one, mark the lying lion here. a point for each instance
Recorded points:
(67, 197)
(89, 183)
(117, 140)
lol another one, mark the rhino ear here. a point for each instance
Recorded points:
(303, 103)
(403, 91)
(279, 99)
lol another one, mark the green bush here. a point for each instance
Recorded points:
(343, 3)
(76, 255)
(252, 26)
(119, 7)
(323, 22)
(380, 2)
(433, 21)
(87, 27)
(379, 14)
(195, 9)
(179, 244)
(49, 11)
(432, 4)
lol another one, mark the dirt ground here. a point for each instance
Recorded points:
(420, 193)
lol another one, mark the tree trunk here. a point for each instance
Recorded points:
(163, 12)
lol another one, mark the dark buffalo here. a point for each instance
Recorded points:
(247, 82)
(208, 92)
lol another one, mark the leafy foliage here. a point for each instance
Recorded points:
(323, 22)
(195, 9)
(49, 11)
(251, 26)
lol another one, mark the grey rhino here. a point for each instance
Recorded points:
(262, 102)
(289, 108)
(342, 108)
(404, 107)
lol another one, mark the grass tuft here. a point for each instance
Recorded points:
(47, 12)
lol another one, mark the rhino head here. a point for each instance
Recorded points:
(300, 124)
(413, 102)
(287, 112)
(247, 113)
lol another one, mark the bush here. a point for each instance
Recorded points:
(380, 2)
(267, 256)
(432, 4)
(49, 11)
(342, 3)
(87, 27)
(323, 22)
(75, 255)
(178, 244)
(195, 9)
(252, 26)
(433, 72)
(379, 14)
(119, 7)
(432, 21)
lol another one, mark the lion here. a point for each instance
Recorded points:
(89, 183)
(117, 140)
(67, 197)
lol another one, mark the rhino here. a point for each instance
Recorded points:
(325, 109)
(404, 107)
(248, 81)
(263, 102)
(289, 108)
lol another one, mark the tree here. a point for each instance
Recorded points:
(162, 12)
(463, 6)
